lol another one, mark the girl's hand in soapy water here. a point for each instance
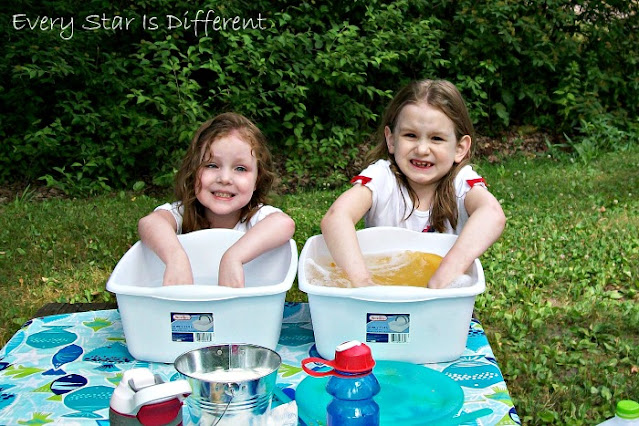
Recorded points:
(338, 229)
(365, 281)
(461, 281)
(178, 270)
(231, 273)
(157, 231)
(271, 232)
(447, 272)
(484, 226)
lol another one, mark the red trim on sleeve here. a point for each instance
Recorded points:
(473, 182)
(363, 179)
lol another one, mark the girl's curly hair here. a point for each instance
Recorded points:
(186, 180)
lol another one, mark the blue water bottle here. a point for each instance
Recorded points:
(352, 385)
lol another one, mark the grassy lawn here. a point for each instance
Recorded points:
(561, 307)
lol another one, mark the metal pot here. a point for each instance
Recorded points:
(231, 384)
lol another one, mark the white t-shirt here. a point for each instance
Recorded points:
(391, 202)
(177, 210)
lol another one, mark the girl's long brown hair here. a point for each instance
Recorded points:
(443, 95)
(186, 179)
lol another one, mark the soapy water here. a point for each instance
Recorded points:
(406, 268)
(231, 375)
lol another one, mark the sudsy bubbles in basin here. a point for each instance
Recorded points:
(410, 268)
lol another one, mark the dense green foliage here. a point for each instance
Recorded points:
(110, 104)
(561, 305)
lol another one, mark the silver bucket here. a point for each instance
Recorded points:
(232, 384)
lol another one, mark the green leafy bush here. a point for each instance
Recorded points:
(548, 64)
(111, 106)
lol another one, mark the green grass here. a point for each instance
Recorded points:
(561, 307)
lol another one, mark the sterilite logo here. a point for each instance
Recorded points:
(177, 317)
(377, 317)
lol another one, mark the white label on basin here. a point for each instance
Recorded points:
(192, 327)
(387, 328)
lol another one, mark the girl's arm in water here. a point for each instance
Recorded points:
(269, 233)
(338, 229)
(158, 231)
(485, 224)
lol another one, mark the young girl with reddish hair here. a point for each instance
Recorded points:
(223, 182)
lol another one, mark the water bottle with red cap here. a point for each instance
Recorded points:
(352, 385)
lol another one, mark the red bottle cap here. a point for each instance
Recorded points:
(352, 357)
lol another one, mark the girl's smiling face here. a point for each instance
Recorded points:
(425, 146)
(226, 180)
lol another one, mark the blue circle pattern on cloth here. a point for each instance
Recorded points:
(66, 366)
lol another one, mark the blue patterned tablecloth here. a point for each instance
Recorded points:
(64, 368)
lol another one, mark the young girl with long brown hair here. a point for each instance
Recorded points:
(223, 182)
(419, 177)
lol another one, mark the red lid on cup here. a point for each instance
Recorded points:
(351, 357)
